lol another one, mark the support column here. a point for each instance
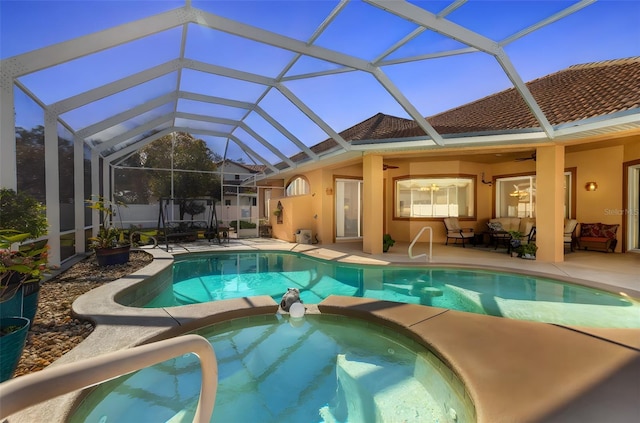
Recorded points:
(95, 191)
(78, 193)
(52, 181)
(372, 204)
(550, 203)
(8, 177)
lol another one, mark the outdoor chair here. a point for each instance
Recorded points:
(454, 231)
(498, 235)
(570, 226)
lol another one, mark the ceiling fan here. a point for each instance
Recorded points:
(532, 157)
(387, 166)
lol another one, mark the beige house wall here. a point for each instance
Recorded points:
(632, 148)
(602, 165)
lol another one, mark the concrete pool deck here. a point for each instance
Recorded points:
(514, 371)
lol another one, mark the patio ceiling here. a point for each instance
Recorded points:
(265, 83)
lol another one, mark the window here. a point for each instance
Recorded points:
(297, 186)
(430, 197)
(516, 196)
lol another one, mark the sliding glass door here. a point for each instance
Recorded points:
(348, 208)
(516, 196)
(631, 212)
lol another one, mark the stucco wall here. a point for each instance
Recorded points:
(316, 210)
(603, 166)
(406, 230)
(309, 211)
(632, 149)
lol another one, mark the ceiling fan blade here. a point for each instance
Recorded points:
(386, 166)
(522, 159)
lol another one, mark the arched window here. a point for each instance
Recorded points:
(298, 186)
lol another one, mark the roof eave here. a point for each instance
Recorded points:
(599, 125)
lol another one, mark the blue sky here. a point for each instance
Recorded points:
(607, 29)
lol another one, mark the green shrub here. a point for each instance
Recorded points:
(23, 213)
(243, 224)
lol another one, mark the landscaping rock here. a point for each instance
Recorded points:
(55, 331)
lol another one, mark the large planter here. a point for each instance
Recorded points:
(113, 256)
(24, 303)
(12, 344)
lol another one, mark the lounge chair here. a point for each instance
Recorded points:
(454, 231)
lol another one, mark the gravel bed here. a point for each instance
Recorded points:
(55, 331)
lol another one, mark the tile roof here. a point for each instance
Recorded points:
(576, 93)
(379, 126)
(253, 168)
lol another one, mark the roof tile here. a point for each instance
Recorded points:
(578, 92)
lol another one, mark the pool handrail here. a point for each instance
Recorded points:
(28, 390)
(410, 252)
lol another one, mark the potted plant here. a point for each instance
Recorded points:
(278, 212)
(110, 244)
(22, 265)
(387, 242)
(20, 274)
(516, 242)
(18, 269)
(529, 251)
(13, 336)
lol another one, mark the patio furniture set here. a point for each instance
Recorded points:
(500, 232)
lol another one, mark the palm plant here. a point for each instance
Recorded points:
(109, 236)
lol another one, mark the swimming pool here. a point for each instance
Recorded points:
(277, 369)
(219, 276)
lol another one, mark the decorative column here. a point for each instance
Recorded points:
(550, 203)
(372, 204)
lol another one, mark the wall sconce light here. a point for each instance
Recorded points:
(591, 186)
(329, 191)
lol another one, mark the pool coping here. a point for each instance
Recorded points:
(570, 372)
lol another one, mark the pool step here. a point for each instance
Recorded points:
(417, 289)
(386, 393)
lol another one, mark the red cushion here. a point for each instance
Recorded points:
(609, 231)
(590, 230)
(593, 239)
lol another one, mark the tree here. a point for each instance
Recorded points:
(30, 161)
(23, 213)
(193, 164)
(131, 182)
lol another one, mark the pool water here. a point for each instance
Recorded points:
(275, 369)
(213, 277)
